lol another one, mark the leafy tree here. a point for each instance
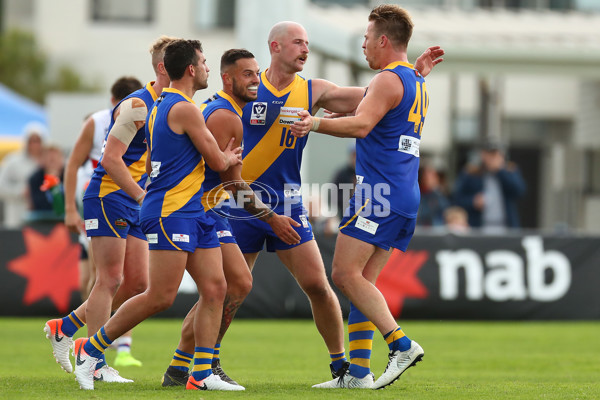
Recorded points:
(24, 67)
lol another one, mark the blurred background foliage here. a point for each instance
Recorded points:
(26, 69)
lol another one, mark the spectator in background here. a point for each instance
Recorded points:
(15, 172)
(489, 191)
(456, 219)
(433, 198)
(345, 179)
(45, 186)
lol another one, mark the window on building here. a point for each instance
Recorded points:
(123, 11)
(214, 13)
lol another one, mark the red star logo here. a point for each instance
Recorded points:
(398, 279)
(50, 267)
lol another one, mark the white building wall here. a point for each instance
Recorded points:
(104, 51)
(543, 97)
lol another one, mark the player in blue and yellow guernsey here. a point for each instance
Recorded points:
(111, 207)
(222, 113)
(180, 235)
(387, 124)
(272, 160)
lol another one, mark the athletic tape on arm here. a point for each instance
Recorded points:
(124, 128)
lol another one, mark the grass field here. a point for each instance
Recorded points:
(281, 360)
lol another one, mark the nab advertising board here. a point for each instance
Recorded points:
(445, 276)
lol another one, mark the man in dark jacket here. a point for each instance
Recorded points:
(489, 191)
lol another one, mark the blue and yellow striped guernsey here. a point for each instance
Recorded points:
(213, 187)
(390, 152)
(272, 156)
(177, 167)
(101, 184)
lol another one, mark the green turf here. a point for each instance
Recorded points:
(282, 359)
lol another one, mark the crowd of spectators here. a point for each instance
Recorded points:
(484, 194)
(31, 181)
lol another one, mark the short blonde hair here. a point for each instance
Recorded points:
(157, 49)
(394, 22)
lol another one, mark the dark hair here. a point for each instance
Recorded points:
(178, 55)
(394, 22)
(124, 86)
(232, 55)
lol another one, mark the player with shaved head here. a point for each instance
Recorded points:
(272, 161)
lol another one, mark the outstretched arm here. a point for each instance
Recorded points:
(335, 98)
(385, 92)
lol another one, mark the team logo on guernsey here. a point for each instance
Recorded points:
(121, 223)
(289, 115)
(259, 113)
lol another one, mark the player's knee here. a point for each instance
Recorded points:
(214, 291)
(160, 301)
(135, 288)
(111, 283)
(316, 288)
(339, 279)
(239, 288)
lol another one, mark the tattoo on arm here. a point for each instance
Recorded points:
(253, 204)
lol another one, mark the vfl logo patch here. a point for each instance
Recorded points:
(121, 223)
(259, 113)
(180, 237)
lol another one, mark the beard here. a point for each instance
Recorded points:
(241, 92)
